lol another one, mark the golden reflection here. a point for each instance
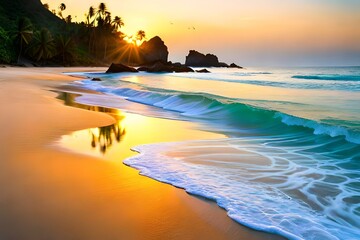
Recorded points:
(137, 128)
(102, 138)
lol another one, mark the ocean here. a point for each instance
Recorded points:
(290, 161)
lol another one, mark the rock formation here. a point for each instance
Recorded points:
(154, 50)
(160, 66)
(203, 71)
(196, 59)
(233, 65)
(118, 68)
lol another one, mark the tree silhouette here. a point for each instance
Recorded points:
(65, 48)
(89, 17)
(62, 7)
(140, 35)
(117, 23)
(102, 10)
(68, 19)
(42, 46)
(23, 34)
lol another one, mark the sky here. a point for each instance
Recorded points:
(249, 33)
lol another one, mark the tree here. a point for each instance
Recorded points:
(62, 7)
(5, 49)
(65, 48)
(102, 11)
(42, 46)
(68, 19)
(46, 6)
(23, 34)
(140, 35)
(117, 23)
(89, 16)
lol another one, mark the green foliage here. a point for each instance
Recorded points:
(23, 34)
(6, 54)
(96, 41)
(42, 47)
(65, 48)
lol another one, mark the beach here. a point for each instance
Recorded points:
(49, 191)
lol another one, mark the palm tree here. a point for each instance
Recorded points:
(65, 48)
(90, 23)
(140, 35)
(117, 23)
(68, 19)
(23, 34)
(62, 7)
(42, 46)
(107, 19)
(89, 16)
(102, 10)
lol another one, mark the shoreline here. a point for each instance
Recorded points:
(50, 192)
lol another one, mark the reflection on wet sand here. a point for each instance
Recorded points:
(104, 136)
(101, 137)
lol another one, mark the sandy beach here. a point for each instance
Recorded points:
(49, 191)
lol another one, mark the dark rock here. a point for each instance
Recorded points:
(233, 65)
(143, 69)
(197, 59)
(177, 64)
(182, 68)
(222, 64)
(203, 71)
(96, 79)
(154, 50)
(118, 68)
(160, 66)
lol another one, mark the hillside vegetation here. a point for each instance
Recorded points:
(30, 32)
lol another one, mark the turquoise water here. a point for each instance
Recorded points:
(291, 161)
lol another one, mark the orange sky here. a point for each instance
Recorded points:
(257, 32)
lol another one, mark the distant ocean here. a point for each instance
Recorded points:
(291, 161)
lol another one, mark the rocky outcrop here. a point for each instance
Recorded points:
(203, 71)
(118, 68)
(233, 65)
(159, 67)
(196, 59)
(154, 50)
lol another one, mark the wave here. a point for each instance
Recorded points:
(307, 190)
(255, 194)
(234, 117)
(247, 78)
(333, 77)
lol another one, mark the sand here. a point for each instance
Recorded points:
(49, 191)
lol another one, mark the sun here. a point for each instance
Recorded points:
(133, 40)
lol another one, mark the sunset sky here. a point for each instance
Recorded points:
(250, 33)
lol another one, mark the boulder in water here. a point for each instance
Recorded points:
(118, 68)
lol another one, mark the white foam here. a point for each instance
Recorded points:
(240, 188)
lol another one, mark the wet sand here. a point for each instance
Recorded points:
(53, 191)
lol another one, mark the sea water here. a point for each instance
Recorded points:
(291, 161)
